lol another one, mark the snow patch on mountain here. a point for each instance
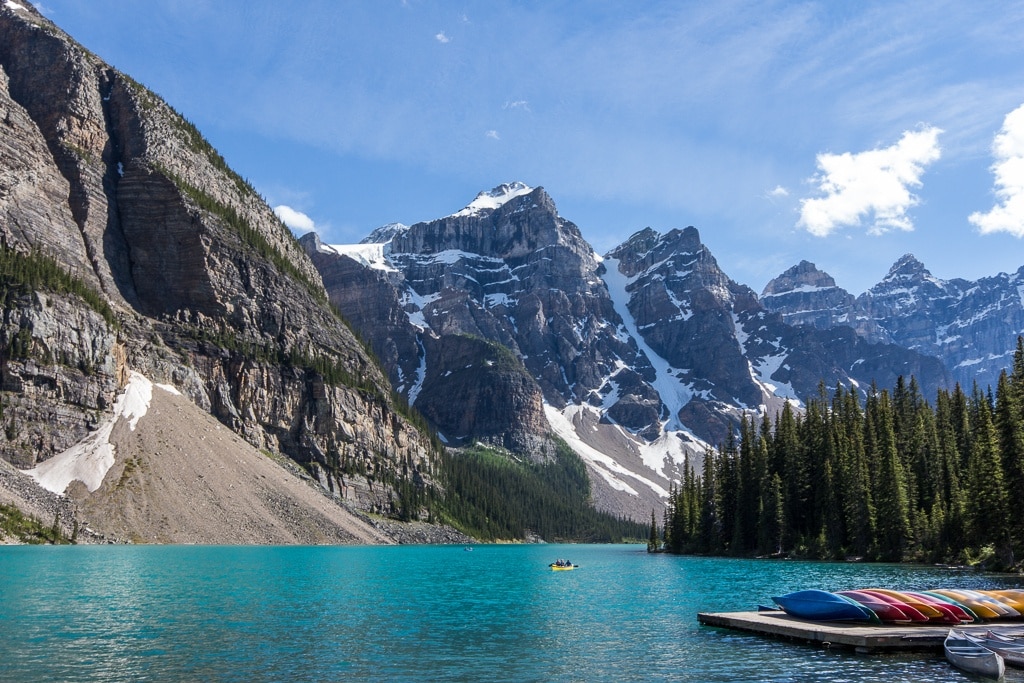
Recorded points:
(371, 255)
(674, 394)
(494, 199)
(762, 369)
(89, 460)
(421, 373)
(563, 423)
(415, 304)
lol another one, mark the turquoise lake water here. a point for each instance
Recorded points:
(415, 613)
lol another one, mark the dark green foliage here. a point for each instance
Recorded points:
(494, 497)
(16, 524)
(899, 480)
(24, 273)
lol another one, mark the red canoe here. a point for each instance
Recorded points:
(886, 611)
(912, 612)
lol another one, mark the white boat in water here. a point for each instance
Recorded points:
(1010, 649)
(964, 653)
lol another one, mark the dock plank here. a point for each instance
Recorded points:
(861, 637)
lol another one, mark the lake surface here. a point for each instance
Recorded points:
(421, 613)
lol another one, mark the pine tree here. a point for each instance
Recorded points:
(987, 504)
(893, 521)
(787, 455)
(710, 530)
(858, 502)
(1010, 428)
(652, 540)
(771, 528)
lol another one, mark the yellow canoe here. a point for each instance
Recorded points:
(983, 608)
(1007, 597)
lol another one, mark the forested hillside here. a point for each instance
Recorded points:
(898, 478)
(495, 496)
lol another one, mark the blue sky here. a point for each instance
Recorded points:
(846, 134)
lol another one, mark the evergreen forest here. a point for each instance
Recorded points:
(888, 477)
(493, 496)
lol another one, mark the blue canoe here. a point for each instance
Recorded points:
(819, 605)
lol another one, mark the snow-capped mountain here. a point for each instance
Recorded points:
(501, 324)
(971, 327)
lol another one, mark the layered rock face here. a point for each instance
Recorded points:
(506, 269)
(208, 290)
(971, 327)
(804, 295)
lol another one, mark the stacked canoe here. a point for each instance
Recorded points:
(880, 605)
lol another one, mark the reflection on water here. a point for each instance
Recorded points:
(177, 613)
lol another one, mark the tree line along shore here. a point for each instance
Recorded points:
(895, 478)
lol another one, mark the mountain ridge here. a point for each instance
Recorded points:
(648, 349)
(972, 326)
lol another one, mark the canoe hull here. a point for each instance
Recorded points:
(968, 656)
(817, 605)
(886, 611)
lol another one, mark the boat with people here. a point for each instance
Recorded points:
(563, 565)
(967, 655)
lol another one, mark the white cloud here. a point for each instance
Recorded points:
(299, 222)
(518, 104)
(778, 192)
(877, 181)
(442, 38)
(493, 134)
(1008, 169)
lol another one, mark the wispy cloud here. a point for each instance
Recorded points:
(1008, 149)
(777, 192)
(299, 222)
(877, 182)
(493, 135)
(442, 38)
(518, 104)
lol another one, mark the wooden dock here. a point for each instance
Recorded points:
(860, 637)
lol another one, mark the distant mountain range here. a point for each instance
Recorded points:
(970, 326)
(502, 325)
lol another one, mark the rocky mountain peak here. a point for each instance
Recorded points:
(804, 295)
(489, 200)
(648, 248)
(384, 233)
(511, 221)
(907, 267)
(803, 276)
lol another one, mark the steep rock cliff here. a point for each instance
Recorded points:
(206, 289)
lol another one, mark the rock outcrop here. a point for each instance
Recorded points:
(181, 271)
